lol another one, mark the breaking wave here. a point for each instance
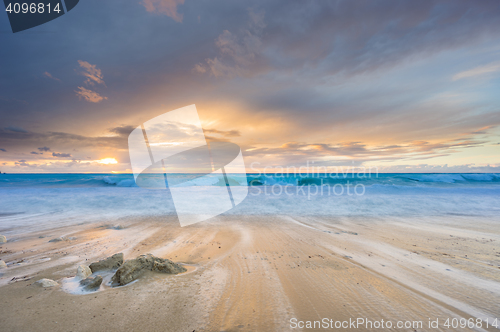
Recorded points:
(384, 179)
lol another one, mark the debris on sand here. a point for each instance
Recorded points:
(46, 283)
(109, 263)
(91, 283)
(109, 226)
(63, 238)
(2, 264)
(83, 271)
(57, 239)
(3, 239)
(24, 278)
(134, 268)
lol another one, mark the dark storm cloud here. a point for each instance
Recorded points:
(122, 130)
(61, 155)
(61, 139)
(354, 36)
(330, 37)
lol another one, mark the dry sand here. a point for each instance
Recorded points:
(256, 273)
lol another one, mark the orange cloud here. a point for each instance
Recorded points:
(167, 7)
(93, 74)
(89, 95)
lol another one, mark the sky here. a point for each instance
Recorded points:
(403, 86)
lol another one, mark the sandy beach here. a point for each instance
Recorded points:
(259, 273)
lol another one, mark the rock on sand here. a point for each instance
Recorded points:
(58, 239)
(109, 263)
(46, 283)
(83, 272)
(3, 239)
(2, 264)
(132, 269)
(91, 283)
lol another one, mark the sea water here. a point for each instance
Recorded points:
(31, 202)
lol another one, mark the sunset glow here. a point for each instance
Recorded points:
(108, 161)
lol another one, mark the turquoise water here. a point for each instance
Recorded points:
(41, 201)
(448, 180)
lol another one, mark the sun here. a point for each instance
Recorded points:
(107, 161)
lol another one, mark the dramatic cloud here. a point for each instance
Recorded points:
(237, 51)
(3, 150)
(356, 150)
(89, 95)
(166, 7)
(338, 82)
(44, 149)
(91, 72)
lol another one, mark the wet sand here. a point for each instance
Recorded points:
(256, 273)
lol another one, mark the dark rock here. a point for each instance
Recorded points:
(58, 239)
(91, 283)
(108, 226)
(109, 263)
(134, 268)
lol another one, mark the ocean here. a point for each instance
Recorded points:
(41, 201)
